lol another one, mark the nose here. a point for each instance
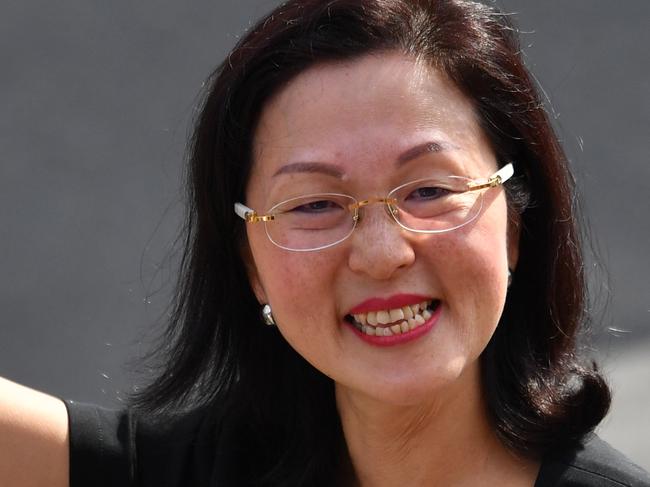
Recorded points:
(379, 246)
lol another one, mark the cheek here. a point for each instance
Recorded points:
(292, 272)
(473, 267)
(297, 285)
(300, 287)
(473, 277)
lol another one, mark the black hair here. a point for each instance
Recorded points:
(217, 351)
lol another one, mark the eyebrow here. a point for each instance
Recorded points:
(336, 171)
(421, 149)
(321, 167)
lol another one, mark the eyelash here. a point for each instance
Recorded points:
(308, 207)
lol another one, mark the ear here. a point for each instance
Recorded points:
(253, 275)
(514, 234)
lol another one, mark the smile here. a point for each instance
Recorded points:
(396, 321)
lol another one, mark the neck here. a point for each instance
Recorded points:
(444, 440)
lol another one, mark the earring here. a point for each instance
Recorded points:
(509, 277)
(267, 315)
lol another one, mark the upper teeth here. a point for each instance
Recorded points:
(396, 315)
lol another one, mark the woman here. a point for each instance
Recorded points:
(320, 340)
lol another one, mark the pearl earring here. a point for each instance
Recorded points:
(267, 315)
(509, 277)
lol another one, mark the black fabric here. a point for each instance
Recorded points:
(592, 463)
(114, 449)
(110, 448)
(102, 448)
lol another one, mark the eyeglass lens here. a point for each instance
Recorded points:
(320, 220)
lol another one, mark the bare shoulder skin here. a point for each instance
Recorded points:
(33, 438)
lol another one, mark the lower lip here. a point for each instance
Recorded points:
(409, 336)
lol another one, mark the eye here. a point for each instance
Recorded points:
(319, 206)
(427, 193)
(312, 213)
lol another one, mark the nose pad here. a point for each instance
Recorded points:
(391, 209)
(376, 224)
(388, 204)
(381, 247)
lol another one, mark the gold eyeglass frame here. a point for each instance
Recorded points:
(498, 178)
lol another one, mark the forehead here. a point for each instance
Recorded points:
(359, 113)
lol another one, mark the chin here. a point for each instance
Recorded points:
(411, 389)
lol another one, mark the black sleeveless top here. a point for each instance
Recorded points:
(114, 448)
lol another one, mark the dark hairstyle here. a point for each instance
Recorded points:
(218, 353)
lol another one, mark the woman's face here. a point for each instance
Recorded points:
(365, 123)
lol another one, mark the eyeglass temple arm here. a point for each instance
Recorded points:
(499, 177)
(250, 215)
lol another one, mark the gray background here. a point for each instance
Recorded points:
(95, 103)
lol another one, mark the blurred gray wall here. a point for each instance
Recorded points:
(96, 99)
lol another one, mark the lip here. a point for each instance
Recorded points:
(388, 341)
(391, 302)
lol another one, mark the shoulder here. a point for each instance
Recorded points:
(590, 463)
(124, 447)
